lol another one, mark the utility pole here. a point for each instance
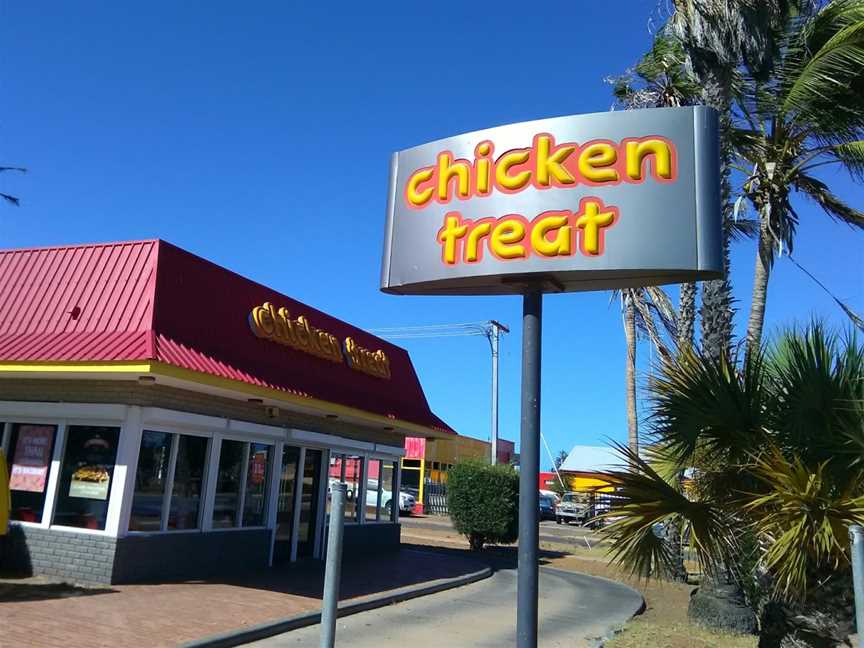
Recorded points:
(493, 332)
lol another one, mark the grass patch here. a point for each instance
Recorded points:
(640, 633)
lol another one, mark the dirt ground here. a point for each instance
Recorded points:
(664, 622)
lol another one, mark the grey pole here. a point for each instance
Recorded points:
(529, 469)
(333, 565)
(494, 340)
(856, 534)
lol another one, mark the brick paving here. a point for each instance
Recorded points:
(40, 613)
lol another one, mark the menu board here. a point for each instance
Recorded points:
(90, 482)
(32, 458)
(92, 460)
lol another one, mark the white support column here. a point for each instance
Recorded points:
(244, 475)
(169, 481)
(380, 490)
(320, 512)
(298, 500)
(397, 480)
(212, 479)
(273, 497)
(54, 475)
(123, 488)
(360, 502)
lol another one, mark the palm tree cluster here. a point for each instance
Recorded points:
(773, 447)
(753, 454)
(788, 81)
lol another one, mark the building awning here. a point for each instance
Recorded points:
(151, 307)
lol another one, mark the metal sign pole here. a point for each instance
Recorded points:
(494, 341)
(529, 469)
(333, 565)
(856, 534)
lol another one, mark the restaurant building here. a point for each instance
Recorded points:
(164, 417)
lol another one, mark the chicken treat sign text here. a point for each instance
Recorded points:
(578, 203)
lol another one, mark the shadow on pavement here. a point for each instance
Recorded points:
(361, 575)
(17, 590)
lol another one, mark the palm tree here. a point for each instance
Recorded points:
(717, 36)
(774, 444)
(660, 80)
(650, 312)
(807, 115)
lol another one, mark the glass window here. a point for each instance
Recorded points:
(188, 482)
(373, 479)
(227, 501)
(85, 476)
(388, 483)
(30, 450)
(353, 476)
(150, 480)
(255, 500)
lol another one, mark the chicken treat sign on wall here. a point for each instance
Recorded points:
(588, 202)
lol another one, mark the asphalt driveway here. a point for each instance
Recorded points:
(575, 610)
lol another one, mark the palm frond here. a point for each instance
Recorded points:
(824, 69)
(644, 499)
(831, 204)
(804, 517)
(851, 156)
(702, 404)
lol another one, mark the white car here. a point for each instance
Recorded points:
(406, 500)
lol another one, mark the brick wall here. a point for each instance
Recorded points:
(86, 558)
(76, 557)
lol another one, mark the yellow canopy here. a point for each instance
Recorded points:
(5, 496)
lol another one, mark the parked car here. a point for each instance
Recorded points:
(547, 507)
(572, 508)
(406, 500)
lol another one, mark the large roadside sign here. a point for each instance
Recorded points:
(586, 202)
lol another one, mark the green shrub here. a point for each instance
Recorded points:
(484, 502)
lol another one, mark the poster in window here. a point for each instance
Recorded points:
(32, 458)
(91, 478)
(259, 467)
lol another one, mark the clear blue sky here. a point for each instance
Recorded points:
(216, 126)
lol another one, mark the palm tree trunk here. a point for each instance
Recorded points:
(760, 288)
(686, 314)
(630, 337)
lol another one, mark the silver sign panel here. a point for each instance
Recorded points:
(588, 202)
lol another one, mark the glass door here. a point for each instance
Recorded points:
(309, 503)
(285, 505)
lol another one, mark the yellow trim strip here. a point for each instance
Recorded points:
(76, 367)
(171, 371)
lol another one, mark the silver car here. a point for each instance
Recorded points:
(572, 508)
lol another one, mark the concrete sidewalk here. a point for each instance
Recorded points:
(40, 613)
(576, 611)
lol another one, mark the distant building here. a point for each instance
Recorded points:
(427, 461)
(584, 469)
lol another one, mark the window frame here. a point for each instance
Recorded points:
(59, 459)
(64, 415)
(169, 480)
(269, 476)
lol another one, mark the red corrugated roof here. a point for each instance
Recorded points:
(149, 300)
(78, 303)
